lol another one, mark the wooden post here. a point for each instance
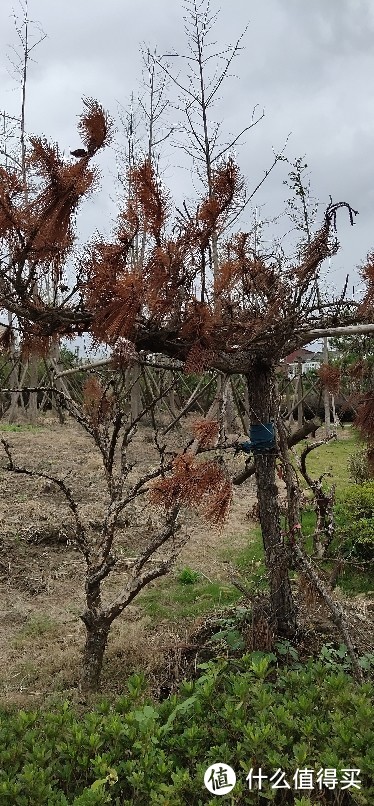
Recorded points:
(241, 407)
(32, 407)
(288, 399)
(326, 394)
(171, 394)
(135, 397)
(334, 416)
(300, 411)
(247, 416)
(13, 379)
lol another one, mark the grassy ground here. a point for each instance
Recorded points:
(15, 427)
(333, 459)
(175, 600)
(189, 594)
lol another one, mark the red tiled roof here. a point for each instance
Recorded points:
(298, 355)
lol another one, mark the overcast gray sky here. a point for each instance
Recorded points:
(310, 65)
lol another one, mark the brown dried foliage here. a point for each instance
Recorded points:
(226, 188)
(142, 286)
(11, 187)
(206, 432)
(37, 223)
(48, 218)
(198, 326)
(199, 323)
(115, 317)
(194, 483)
(253, 287)
(170, 271)
(123, 354)
(96, 403)
(237, 266)
(121, 279)
(365, 415)
(198, 359)
(330, 377)
(105, 265)
(367, 274)
(357, 370)
(95, 126)
(35, 342)
(320, 247)
(149, 200)
(163, 286)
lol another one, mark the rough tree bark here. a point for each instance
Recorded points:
(260, 392)
(97, 632)
(97, 626)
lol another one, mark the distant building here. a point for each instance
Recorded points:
(307, 359)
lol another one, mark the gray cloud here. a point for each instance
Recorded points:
(310, 65)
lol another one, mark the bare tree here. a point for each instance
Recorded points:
(105, 417)
(29, 34)
(257, 303)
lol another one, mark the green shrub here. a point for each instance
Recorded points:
(246, 713)
(188, 577)
(358, 466)
(355, 522)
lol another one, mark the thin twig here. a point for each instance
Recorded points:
(335, 608)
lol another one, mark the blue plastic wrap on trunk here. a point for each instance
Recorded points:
(262, 439)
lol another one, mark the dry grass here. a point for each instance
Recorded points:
(42, 574)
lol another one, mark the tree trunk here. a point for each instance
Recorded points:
(260, 391)
(97, 632)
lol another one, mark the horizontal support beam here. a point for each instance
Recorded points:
(310, 335)
(103, 362)
(106, 362)
(346, 330)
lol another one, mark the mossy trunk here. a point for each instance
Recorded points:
(260, 392)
